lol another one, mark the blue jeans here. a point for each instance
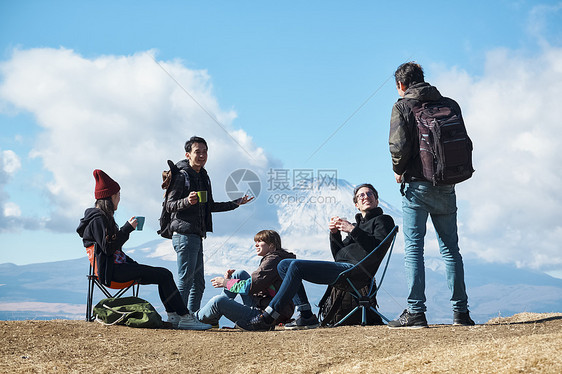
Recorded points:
(420, 200)
(191, 277)
(293, 273)
(225, 305)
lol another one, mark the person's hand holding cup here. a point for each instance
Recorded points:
(140, 222)
(344, 225)
(133, 222)
(332, 225)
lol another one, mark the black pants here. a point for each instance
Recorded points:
(145, 274)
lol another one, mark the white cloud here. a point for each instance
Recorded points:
(541, 21)
(10, 216)
(513, 115)
(11, 210)
(10, 162)
(122, 114)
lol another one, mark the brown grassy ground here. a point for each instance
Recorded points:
(524, 343)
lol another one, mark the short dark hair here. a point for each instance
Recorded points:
(194, 139)
(409, 73)
(270, 237)
(369, 186)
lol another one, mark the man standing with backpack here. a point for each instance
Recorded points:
(190, 201)
(423, 127)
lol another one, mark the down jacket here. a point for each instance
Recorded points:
(193, 219)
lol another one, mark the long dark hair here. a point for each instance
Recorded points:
(107, 207)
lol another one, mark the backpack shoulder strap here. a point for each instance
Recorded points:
(186, 177)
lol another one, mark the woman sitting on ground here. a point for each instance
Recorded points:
(256, 290)
(98, 229)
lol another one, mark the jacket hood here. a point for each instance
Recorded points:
(284, 254)
(423, 92)
(184, 165)
(278, 253)
(89, 215)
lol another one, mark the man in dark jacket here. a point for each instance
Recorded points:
(190, 200)
(256, 289)
(420, 199)
(370, 229)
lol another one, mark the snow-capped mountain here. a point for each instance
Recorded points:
(304, 216)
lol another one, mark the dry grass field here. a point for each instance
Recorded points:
(524, 343)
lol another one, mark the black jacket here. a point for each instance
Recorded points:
(193, 219)
(93, 229)
(368, 233)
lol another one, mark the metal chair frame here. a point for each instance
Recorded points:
(93, 282)
(345, 282)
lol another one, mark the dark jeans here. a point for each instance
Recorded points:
(145, 274)
(294, 272)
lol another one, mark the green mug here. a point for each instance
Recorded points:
(202, 195)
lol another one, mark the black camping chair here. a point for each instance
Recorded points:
(93, 282)
(363, 274)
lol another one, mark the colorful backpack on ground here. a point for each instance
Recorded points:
(445, 148)
(129, 311)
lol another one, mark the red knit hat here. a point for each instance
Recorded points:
(105, 186)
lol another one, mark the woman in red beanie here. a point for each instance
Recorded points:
(98, 229)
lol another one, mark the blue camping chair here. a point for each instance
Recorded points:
(363, 274)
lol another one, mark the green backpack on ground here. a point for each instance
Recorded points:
(129, 311)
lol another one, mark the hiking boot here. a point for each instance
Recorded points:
(462, 319)
(302, 323)
(409, 320)
(257, 323)
(190, 322)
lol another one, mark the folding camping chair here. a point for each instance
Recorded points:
(363, 274)
(93, 282)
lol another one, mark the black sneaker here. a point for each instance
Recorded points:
(462, 319)
(409, 320)
(302, 323)
(257, 323)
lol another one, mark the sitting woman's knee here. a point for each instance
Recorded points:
(219, 300)
(240, 274)
(165, 273)
(284, 265)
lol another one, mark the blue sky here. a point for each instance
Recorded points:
(292, 85)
